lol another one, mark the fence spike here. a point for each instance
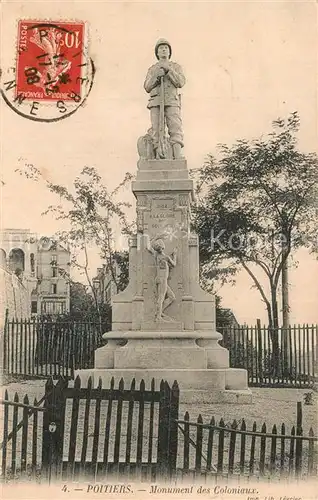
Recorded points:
(212, 422)
(152, 384)
(263, 428)
(133, 384)
(100, 383)
(175, 386)
(49, 384)
(186, 416)
(200, 419)
(234, 424)
(142, 385)
(35, 403)
(16, 398)
(221, 424)
(89, 382)
(26, 400)
(112, 383)
(243, 425)
(162, 385)
(311, 432)
(77, 383)
(6, 395)
(283, 428)
(121, 384)
(274, 430)
(60, 383)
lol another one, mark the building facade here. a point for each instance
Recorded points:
(53, 290)
(42, 268)
(104, 285)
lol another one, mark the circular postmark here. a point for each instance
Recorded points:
(53, 74)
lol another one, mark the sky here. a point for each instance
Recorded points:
(246, 63)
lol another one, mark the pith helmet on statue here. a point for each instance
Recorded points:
(162, 41)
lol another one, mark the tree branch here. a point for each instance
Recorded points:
(257, 283)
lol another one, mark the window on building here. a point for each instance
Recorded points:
(34, 307)
(54, 259)
(54, 272)
(32, 266)
(54, 289)
(16, 260)
(3, 258)
(60, 307)
(46, 307)
(53, 307)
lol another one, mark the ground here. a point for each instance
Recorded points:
(272, 406)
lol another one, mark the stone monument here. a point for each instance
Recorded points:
(163, 323)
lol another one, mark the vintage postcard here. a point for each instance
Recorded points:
(158, 250)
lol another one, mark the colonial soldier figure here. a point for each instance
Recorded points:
(164, 294)
(162, 83)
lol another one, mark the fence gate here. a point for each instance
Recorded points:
(22, 436)
(98, 432)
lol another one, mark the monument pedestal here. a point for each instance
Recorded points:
(194, 359)
(163, 322)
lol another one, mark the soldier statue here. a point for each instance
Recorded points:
(162, 83)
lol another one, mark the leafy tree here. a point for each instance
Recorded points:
(83, 308)
(223, 317)
(82, 303)
(91, 211)
(122, 261)
(255, 208)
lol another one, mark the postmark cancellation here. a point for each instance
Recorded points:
(53, 73)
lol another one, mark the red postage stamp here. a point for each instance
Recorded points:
(50, 60)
